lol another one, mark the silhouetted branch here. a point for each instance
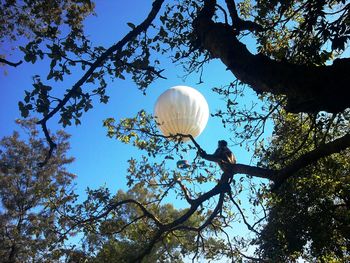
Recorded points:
(238, 23)
(280, 176)
(242, 214)
(221, 188)
(12, 64)
(97, 63)
(52, 145)
(305, 86)
(185, 192)
(277, 176)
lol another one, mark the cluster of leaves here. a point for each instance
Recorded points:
(38, 20)
(30, 195)
(316, 204)
(301, 31)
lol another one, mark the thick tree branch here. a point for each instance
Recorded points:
(156, 238)
(52, 144)
(277, 176)
(308, 88)
(280, 176)
(255, 171)
(324, 150)
(221, 187)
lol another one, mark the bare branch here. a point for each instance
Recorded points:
(13, 64)
(221, 188)
(242, 214)
(185, 192)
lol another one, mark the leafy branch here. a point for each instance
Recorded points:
(93, 66)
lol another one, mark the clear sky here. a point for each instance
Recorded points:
(101, 161)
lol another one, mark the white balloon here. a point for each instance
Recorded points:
(183, 110)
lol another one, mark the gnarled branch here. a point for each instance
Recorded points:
(307, 87)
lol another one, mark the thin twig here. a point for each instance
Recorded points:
(13, 64)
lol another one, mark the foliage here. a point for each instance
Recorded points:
(301, 31)
(35, 21)
(30, 195)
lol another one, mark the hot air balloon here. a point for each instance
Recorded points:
(182, 110)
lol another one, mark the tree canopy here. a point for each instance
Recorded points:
(299, 69)
(31, 196)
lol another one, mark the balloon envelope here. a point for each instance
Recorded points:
(183, 110)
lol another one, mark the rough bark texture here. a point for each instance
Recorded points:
(308, 88)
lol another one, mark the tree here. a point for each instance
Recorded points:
(30, 195)
(299, 54)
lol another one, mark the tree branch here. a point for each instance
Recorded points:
(307, 87)
(221, 188)
(280, 176)
(255, 171)
(277, 176)
(52, 144)
(242, 214)
(13, 64)
(185, 191)
(98, 62)
(238, 23)
(324, 150)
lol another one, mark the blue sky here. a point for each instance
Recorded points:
(101, 161)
